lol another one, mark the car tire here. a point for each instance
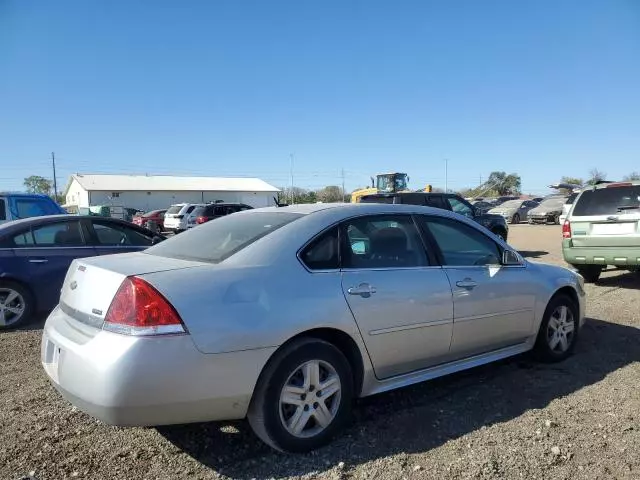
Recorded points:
(556, 220)
(590, 273)
(15, 298)
(516, 219)
(273, 410)
(558, 331)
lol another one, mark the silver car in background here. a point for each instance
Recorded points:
(514, 211)
(285, 315)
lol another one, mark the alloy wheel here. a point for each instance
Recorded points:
(12, 306)
(310, 399)
(561, 329)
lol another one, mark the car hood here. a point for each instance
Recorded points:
(502, 211)
(542, 209)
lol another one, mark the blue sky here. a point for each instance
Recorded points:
(544, 89)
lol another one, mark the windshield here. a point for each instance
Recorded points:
(219, 239)
(608, 201)
(391, 183)
(552, 203)
(511, 204)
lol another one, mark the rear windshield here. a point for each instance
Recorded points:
(218, 239)
(152, 213)
(608, 201)
(175, 208)
(370, 199)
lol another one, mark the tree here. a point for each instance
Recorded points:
(330, 194)
(596, 176)
(37, 184)
(571, 180)
(300, 195)
(633, 176)
(503, 184)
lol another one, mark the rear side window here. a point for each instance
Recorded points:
(119, 235)
(571, 198)
(174, 209)
(608, 201)
(322, 253)
(216, 241)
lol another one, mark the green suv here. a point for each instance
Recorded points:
(603, 228)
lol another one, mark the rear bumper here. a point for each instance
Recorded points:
(618, 256)
(147, 381)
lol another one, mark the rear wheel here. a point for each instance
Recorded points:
(556, 220)
(591, 273)
(558, 331)
(303, 396)
(516, 219)
(16, 305)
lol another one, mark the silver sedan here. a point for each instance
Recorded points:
(285, 315)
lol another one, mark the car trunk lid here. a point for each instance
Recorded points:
(91, 283)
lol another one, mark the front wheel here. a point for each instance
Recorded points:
(556, 220)
(558, 332)
(590, 273)
(500, 233)
(16, 305)
(303, 396)
(516, 219)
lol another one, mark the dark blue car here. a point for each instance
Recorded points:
(35, 254)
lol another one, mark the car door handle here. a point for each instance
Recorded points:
(364, 290)
(466, 283)
(38, 260)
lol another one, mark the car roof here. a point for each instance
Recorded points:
(45, 219)
(604, 185)
(23, 194)
(347, 209)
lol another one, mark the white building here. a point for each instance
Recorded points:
(151, 192)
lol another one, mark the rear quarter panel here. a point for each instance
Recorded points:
(231, 309)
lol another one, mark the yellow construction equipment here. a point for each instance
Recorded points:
(386, 183)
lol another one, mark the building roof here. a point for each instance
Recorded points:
(149, 183)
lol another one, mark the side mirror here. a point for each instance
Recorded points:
(509, 257)
(156, 239)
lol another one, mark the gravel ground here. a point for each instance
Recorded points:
(514, 419)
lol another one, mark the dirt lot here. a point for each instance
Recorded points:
(514, 419)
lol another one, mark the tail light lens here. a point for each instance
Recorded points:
(201, 219)
(139, 309)
(566, 229)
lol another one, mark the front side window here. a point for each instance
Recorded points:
(322, 253)
(462, 245)
(115, 235)
(460, 207)
(383, 241)
(33, 207)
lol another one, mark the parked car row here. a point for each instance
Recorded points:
(183, 216)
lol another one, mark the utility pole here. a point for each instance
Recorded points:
(55, 182)
(446, 175)
(291, 178)
(343, 185)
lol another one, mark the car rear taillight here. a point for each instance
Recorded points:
(201, 220)
(566, 229)
(139, 309)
